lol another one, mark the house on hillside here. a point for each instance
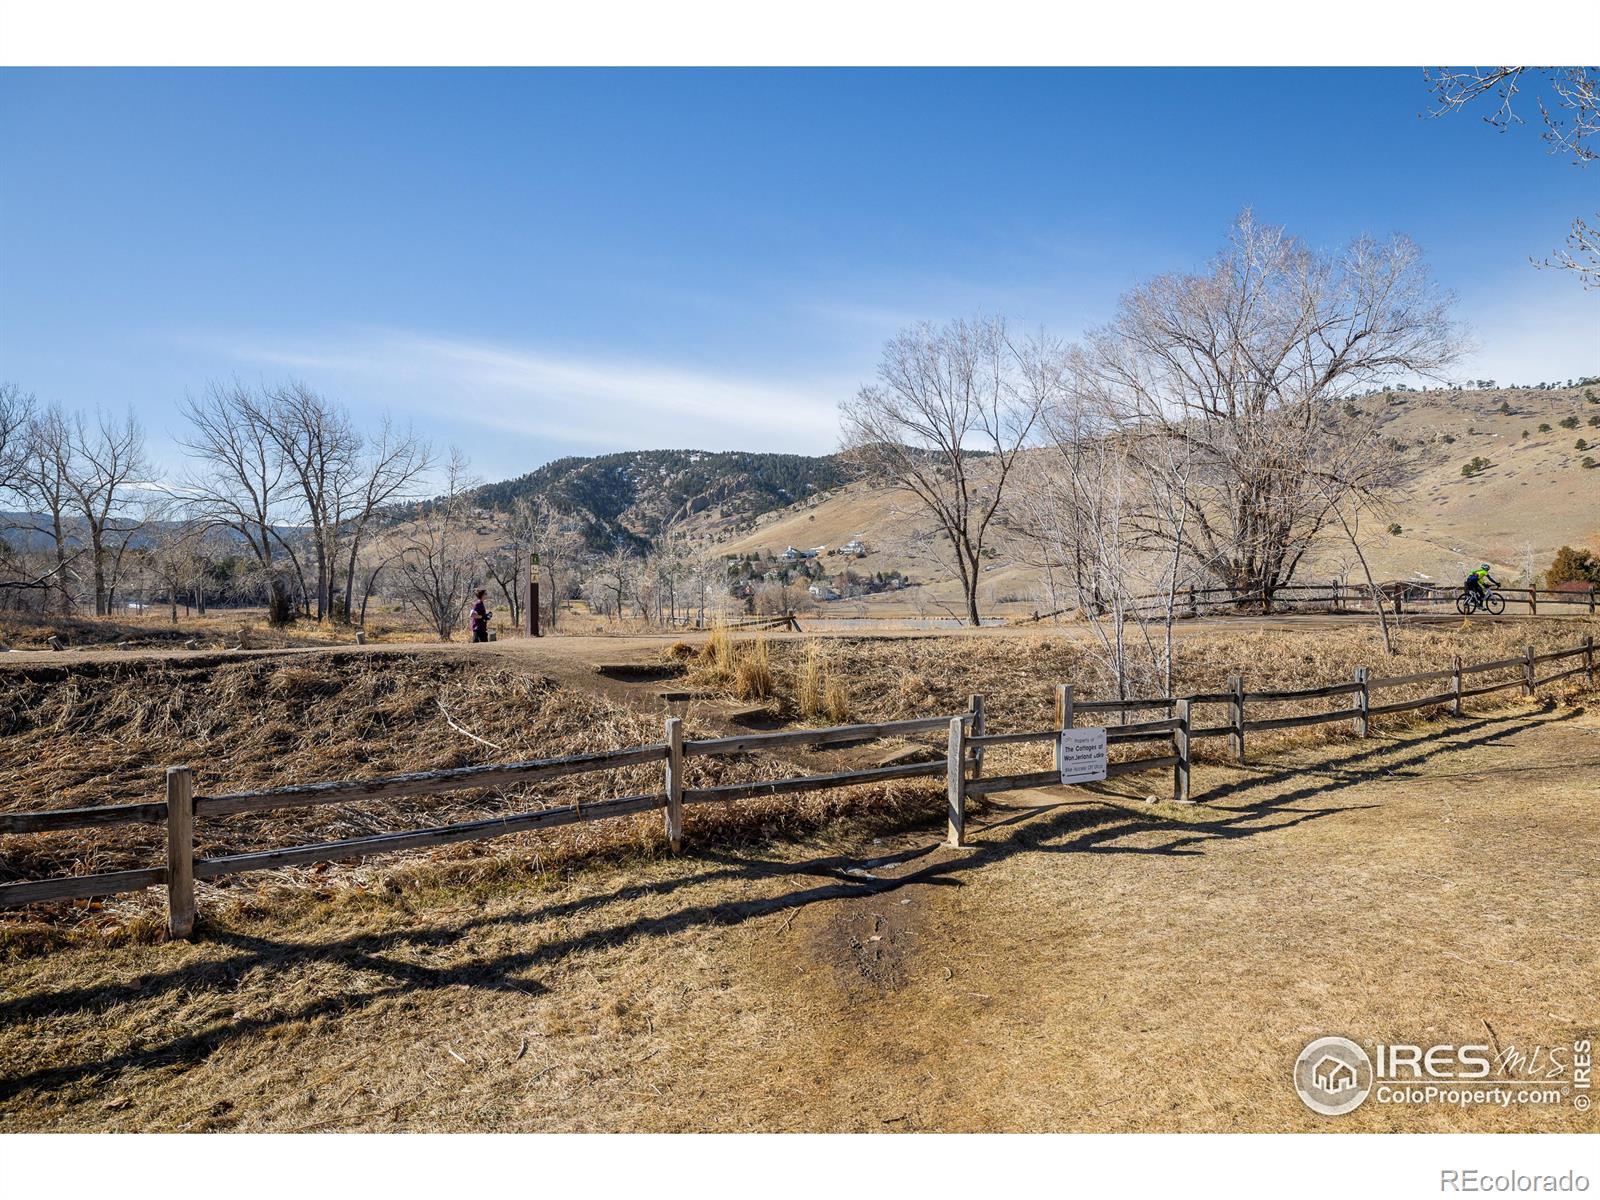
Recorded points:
(823, 591)
(794, 555)
(853, 548)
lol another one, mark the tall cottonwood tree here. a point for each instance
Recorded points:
(1248, 365)
(952, 409)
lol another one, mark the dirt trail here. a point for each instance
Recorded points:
(1092, 963)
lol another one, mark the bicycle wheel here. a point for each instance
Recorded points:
(1495, 603)
(1463, 603)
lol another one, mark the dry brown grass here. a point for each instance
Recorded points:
(1058, 976)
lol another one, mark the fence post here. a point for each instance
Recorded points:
(1194, 605)
(1455, 685)
(1533, 603)
(675, 783)
(1588, 657)
(180, 852)
(955, 784)
(1527, 671)
(975, 707)
(1180, 745)
(1236, 714)
(1337, 599)
(1363, 722)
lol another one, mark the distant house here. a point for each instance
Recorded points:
(822, 591)
(854, 548)
(794, 555)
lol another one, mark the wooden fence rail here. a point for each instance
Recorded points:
(961, 769)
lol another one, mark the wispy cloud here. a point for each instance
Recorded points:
(594, 402)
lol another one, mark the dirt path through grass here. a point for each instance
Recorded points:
(1091, 964)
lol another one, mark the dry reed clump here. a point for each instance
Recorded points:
(742, 669)
(818, 691)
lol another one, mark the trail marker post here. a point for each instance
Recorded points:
(530, 620)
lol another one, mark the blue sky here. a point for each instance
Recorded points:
(535, 263)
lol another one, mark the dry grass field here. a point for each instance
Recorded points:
(1093, 963)
(1099, 960)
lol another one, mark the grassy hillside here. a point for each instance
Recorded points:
(1533, 497)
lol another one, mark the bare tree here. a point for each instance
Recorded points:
(1245, 365)
(949, 414)
(1569, 109)
(103, 465)
(320, 451)
(242, 483)
(437, 563)
(614, 580)
(394, 464)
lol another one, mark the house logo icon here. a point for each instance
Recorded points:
(1333, 1076)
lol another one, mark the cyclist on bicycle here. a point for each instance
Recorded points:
(1477, 579)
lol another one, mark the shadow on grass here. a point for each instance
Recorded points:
(1083, 824)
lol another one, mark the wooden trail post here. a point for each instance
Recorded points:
(530, 606)
(1363, 722)
(975, 707)
(1588, 653)
(1455, 685)
(180, 852)
(1527, 671)
(1533, 603)
(1236, 714)
(675, 783)
(956, 784)
(1180, 745)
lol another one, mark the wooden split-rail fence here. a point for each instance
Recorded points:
(961, 769)
(1335, 597)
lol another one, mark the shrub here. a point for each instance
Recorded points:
(1572, 565)
(1476, 464)
(1580, 444)
(1568, 422)
(1544, 428)
(1589, 462)
(752, 675)
(1524, 433)
(1394, 528)
(1448, 438)
(1505, 407)
(1595, 420)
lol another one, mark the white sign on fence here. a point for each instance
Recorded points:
(1082, 755)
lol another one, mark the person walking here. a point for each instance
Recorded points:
(480, 617)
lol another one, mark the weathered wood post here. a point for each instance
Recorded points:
(1527, 671)
(1399, 599)
(180, 852)
(1064, 713)
(1455, 685)
(675, 783)
(530, 605)
(1194, 605)
(1180, 745)
(975, 707)
(956, 784)
(1363, 722)
(1236, 714)
(1588, 657)
(361, 637)
(1533, 603)
(1336, 596)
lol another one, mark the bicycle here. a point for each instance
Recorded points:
(1469, 602)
